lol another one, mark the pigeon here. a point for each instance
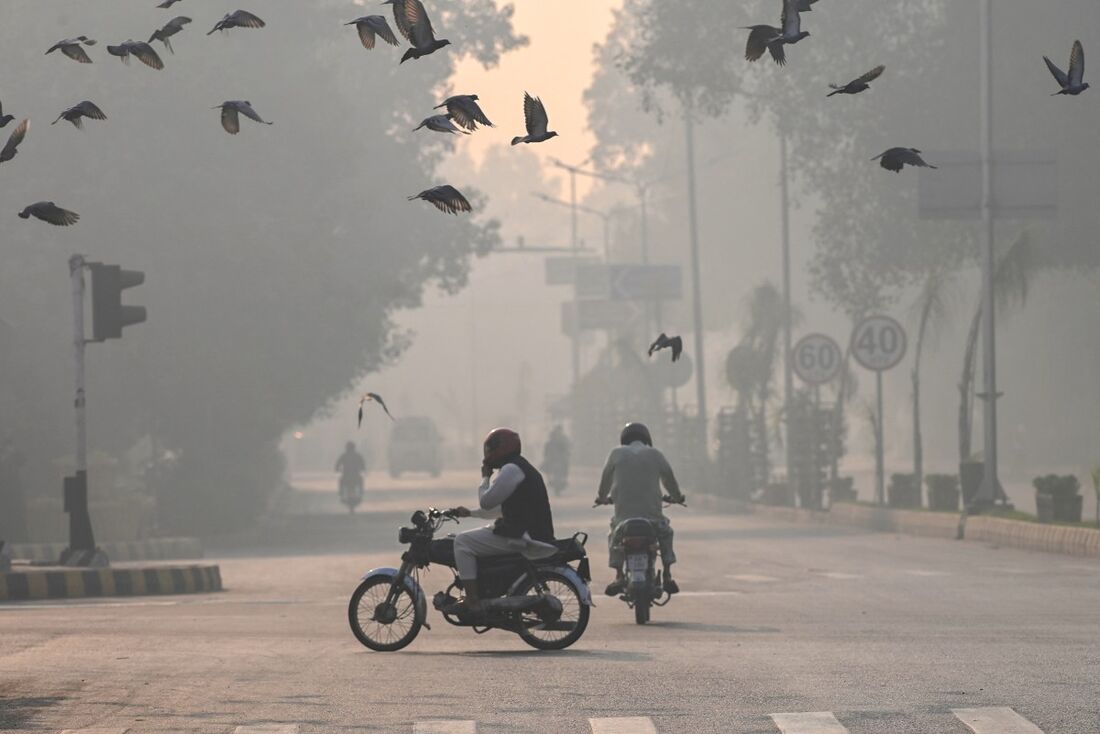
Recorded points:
(666, 342)
(534, 114)
(805, 6)
(72, 48)
(440, 124)
(372, 397)
(47, 211)
(5, 119)
(856, 86)
(771, 39)
(370, 26)
(897, 158)
(170, 3)
(1072, 82)
(445, 198)
(401, 18)
(238, 19)
(465, 110)
(420, 33)
(75, 113)
(170, 29)
(144, 52)
(231, 111)
(10, 148)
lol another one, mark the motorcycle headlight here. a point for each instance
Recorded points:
(406, 535)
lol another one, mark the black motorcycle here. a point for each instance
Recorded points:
(546, 602)
(636, 539)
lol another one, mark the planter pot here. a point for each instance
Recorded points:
(1058, 507)
(778, 495)
(970, 477)
(843, 490)
(903, 492)
(943, 492)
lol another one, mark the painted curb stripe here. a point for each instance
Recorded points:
(83, 583)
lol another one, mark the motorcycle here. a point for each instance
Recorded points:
(557, 475)
(351, 491)
(546, 602)
(636, 539)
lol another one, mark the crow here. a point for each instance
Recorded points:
(534, 114)
(445, 198)
(49, 212)
(666, 342)
(856, 86)
(231, 111)
(372, 397)
(464, 110)
(237, 19)
(71, 47)
(11, 147)
(370, 26)
(895, 159)
(77, 112)
(771, 39)
(1072, 83)
(421, 34)
(5, 119)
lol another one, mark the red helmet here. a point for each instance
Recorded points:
(500, 445)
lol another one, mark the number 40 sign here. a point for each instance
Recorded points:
(878, 343)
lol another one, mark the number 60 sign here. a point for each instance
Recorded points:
(817, 359)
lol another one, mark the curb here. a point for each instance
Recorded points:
(151, 549)
(85, 583)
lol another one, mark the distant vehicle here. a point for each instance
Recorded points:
(415, 445)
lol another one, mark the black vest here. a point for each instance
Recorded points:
(527, 510)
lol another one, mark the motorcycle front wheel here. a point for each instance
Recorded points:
(378, 625)
(568, 628)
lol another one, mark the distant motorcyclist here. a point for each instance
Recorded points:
(351, 466)
(526, 525)
(555, 459)
(632, 480)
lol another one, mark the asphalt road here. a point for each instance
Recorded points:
(781, 628)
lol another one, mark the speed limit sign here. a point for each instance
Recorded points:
(878, 343)
(816, 359)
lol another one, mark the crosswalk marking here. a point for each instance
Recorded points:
(629, 725)
(752, 578)
(995, 720)
(445, 727)
(819, 722)
(268, 729)
(838, 575)
(95, 731)
(925, 573)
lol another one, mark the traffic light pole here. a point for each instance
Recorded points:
(81, 550)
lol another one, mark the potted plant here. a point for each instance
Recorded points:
(842, 489)
(778, 494)
(1057, 498)
(903, 491)
(970, 480)
(943, 492)
(1096, 488)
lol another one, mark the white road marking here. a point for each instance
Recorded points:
(628, 725)
(752, 578)
(711, 593)
(819, 722)
(268, 729)
(445, 727)
(95, 731)
(839, 575)
(995, 720)
(923, 572)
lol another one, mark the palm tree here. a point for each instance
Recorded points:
(931, 306)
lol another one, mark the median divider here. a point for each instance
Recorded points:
(149, 549)
(35, 583)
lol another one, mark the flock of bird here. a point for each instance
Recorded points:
(772, 40)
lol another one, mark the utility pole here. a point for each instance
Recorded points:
(696, 291)
(788, 372)
(990, 487)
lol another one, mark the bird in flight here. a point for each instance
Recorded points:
(420, 32)
(675, 343)
(445, 198)
(534, 114)
(1072, 83)
(465, 110)
(75, 114)
(170, 29)
(370, 26)
(771, 39)
(238, 19)
(372, 397)
(862, 84)
(895, 159)
(11, 147)
(5, 119)
(170, 3)
(72, 48)
(49, 212)
(231, 111)
(440, 124)
(145, 53)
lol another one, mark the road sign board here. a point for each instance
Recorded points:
(596, 315)
(629, 282)
(1025, 185)
(563, 270)
(878, 343)
(817, 359)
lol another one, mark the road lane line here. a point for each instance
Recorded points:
(995, 720)
(628, 725)
(268, 729)
(819, 722)
(445, 727)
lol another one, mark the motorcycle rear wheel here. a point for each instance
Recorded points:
(574, 611)
(378, 636)
(641, 604)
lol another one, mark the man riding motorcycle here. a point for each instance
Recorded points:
(632, 480)
(526, 525)
(351, 466)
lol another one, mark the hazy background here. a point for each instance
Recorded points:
(286, 273)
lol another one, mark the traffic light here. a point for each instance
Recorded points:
(109, 315)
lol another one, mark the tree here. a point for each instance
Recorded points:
(931, 307)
